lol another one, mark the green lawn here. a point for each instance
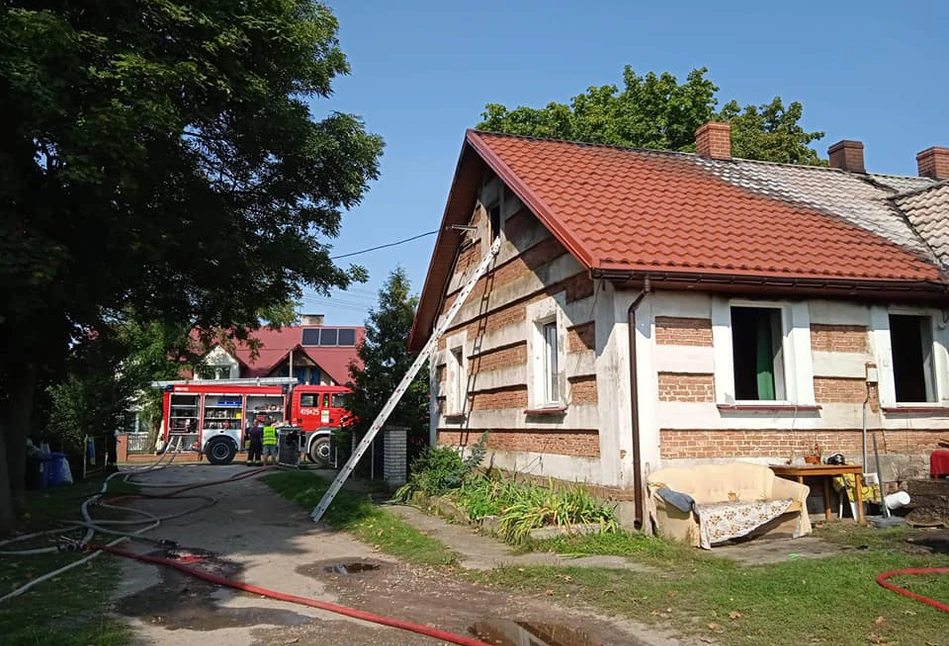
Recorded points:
(69, 610)
(832, 600)
(356, 514)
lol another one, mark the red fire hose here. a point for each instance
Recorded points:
(428, 631)
(883, 580)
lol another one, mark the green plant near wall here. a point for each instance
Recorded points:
(440, 469)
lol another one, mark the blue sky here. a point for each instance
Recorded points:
(422, 71)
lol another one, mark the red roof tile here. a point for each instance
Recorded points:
(620, 208)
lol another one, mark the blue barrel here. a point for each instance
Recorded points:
(55, 473)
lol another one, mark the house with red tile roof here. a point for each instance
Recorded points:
(313, 353)
(651, 309)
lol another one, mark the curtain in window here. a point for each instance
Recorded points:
(764, 359)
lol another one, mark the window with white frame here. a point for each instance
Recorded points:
(758, 353)
(762, 352)
(546, 341)
(456, 377)
(912, 347)
(551, 364)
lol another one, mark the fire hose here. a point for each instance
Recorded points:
(420, 629)
(883, 580)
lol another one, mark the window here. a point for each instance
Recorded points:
(308, 401)
(551, 364)
(757, 353)
(326, 401)
(458, 382)
(339, 400)
(495, 221)
(911, 340)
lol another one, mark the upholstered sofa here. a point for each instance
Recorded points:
(732, 500)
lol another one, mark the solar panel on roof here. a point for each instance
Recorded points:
(347, 336)
(328, 337)
(311, 336)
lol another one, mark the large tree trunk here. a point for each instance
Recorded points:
(15, 413)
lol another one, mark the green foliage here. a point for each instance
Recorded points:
(656, 111)
(357, 515)
(523, 507)
(385, 360)
(440, 469)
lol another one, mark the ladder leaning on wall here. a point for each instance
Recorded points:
(396, 395)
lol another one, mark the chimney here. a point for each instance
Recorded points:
(714, 140)
(934, 162)
(847, 155)
(312, 319)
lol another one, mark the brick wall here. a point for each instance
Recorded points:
(676, 330)
(500, 398)
(581, 337)
(839, 338)
(778, 443)
(583, 442)
(583, 390)
(840, 390)
(512, 355)
(686, 387)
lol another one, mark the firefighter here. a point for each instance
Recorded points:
(255, 435)
(270, 441)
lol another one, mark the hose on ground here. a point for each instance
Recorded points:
(420, 629)
(883, 579)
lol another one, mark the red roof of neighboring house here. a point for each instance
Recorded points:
(635, 211)
(277, 343)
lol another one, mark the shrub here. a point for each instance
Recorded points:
(524, 507)
(440, 469)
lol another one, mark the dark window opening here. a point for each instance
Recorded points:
(757, 353)
(308, 401)
(911, 342)
(495, 214)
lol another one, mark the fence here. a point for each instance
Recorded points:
(138, 443)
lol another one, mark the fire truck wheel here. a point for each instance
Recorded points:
(220, 451)
(320, 451)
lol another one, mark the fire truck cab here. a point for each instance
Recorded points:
(212, 416)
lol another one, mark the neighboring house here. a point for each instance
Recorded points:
(313, 353)
(761, 306)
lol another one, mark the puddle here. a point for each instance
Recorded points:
(178, 601)
(326, 567)
(520, 633)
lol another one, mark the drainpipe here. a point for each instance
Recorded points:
(634, 405)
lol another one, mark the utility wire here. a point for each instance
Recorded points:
(384, 246)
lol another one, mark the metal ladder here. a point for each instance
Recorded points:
(396, 395)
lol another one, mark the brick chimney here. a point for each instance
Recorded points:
(714, 140)
(847, 155)
(934, 162)
(312, 319)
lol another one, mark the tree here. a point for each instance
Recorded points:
(656, 111)
(385, 360)
(161, 158)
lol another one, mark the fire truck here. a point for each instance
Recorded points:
(212, 415)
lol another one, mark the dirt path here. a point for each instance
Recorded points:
(255, 536)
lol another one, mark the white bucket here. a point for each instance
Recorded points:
(897, 500)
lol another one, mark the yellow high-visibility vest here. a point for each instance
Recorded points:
(270, 435)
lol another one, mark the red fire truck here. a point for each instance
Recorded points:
(212, 415)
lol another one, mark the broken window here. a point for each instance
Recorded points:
(757, 353)
(911, 341)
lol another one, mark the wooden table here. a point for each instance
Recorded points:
(826, 472)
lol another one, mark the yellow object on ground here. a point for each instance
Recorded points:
(870, 492)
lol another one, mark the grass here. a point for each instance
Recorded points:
(71, 609)
(356, 514)
(830, 600)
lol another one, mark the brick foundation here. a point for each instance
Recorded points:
(675, 330)
(686, 387)
(839, 338)
(582, 443)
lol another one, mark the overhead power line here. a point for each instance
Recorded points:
(384, 246)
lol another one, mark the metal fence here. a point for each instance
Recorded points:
(138, 443)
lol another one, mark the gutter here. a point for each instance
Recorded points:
(638, 498)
